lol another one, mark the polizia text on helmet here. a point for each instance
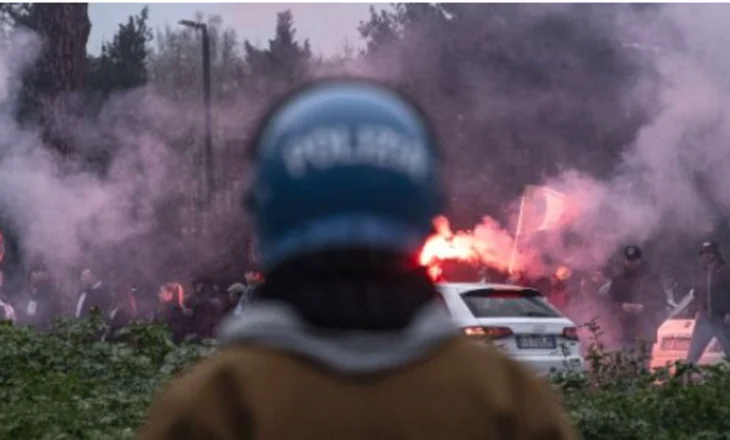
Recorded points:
(378, 146)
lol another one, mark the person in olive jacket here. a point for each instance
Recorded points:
(347, 338)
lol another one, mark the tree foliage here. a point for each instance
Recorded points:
(381, 30)
(18, 14)
(175, 65)
(51, 86)
(284, 63)
(122, 63)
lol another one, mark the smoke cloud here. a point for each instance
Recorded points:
(68, 214)
(620, 107)
(671, 179)
(655, 85)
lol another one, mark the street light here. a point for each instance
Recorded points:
(208, 140)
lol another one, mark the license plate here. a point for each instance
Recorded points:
(536, 342)
(679, 344)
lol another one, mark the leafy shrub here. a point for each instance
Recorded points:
(620, 399)
(66, 385)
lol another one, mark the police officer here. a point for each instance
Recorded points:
(637, 297)
(347, 338)
(712, 300)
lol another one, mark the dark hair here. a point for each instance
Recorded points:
(709, 247)
(633, 253)
(351, 288)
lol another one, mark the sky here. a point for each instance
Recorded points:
(327, 25)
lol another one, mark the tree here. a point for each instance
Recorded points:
(18, 14)
(51, 88)
(285, 62)
(381, 30)
(123, 62)
(175, 67)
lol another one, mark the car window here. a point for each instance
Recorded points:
(491, 303)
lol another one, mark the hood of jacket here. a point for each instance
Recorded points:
(277, 325)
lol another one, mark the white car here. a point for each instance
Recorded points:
(517, 320)
(672, 345)
(673, 338)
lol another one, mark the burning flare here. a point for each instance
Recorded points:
(487, 245)
(543, 210)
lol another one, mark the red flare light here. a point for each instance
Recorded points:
(487, 245)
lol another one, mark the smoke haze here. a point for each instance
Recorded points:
(580, 80)
(652, 79)
(69, 215)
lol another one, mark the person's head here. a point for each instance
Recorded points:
(633, 257)
(562, 273)
(598, 277)
(171, 293)
(346, 178)
(88, 278)
(235, 291)
(252, 276)
(38, 274)
(710, 253)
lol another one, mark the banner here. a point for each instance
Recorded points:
(541, 209)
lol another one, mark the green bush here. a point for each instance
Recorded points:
(64, 385)
(620, 399)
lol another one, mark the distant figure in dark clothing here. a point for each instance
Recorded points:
(206, 311)
(591, 285)
(593, 298)
(236, 292)
(517, 278)
(95, 294)
(7, 312)
(637, 298)
(146, 301)
(561, 290)
(712, 299)
(246, 292)
(124, 308)
(41, 304)
(172, 312)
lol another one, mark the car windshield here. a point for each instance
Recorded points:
(492, 303)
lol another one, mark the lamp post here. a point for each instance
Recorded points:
(208, 135)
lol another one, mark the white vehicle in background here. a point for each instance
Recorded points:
(517, 320)
(674, 335)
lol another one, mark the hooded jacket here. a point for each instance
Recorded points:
(275, 379)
